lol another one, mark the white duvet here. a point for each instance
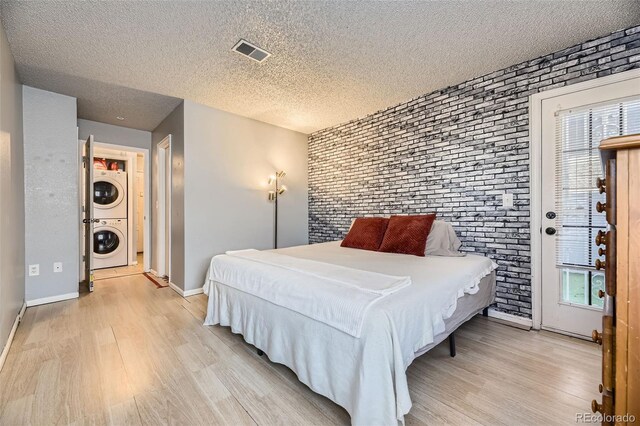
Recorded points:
(366, 374)
(332, 294)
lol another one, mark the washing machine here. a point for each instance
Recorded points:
(109, 194)
(110, 243)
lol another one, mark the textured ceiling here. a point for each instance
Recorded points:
(332, 60)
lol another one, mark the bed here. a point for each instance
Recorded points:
(364, 374)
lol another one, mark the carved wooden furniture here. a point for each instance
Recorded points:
(620, 336)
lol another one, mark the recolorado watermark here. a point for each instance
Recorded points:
(609, 418)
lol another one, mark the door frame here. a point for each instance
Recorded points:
(535, 177)
(146, 258)
(163, 227)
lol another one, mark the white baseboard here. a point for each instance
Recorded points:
(7, 345)
(185, 293)
(514, 320)
(176, 289)
(193, 292)
(59, 298)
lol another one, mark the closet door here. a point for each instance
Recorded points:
(88, 220)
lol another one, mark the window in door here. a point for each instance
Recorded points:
(577, 167)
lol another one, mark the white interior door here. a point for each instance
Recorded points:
(88, 220)
(572, 127)
(139, 200)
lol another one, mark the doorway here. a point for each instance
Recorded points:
(565, 221)
(118, 198)
(163, 228)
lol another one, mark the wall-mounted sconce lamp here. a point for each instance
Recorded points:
(278, 189)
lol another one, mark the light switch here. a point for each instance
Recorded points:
(57, 267)
(34, 270)
(507, 201)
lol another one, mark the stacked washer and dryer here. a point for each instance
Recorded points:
(110, 207)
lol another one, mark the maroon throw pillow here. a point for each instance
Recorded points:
(366, 233)
(407, 234)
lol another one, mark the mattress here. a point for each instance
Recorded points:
(364, 375)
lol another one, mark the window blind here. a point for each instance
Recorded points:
(578, 135)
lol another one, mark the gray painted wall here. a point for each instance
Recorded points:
(52, 219)
(455, 151)
(11, 193)
(173, 124)
(116, 135)
(228, 159)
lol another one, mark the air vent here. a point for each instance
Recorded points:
(251, 51)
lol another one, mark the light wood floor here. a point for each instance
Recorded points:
(120, 271)
(133, 354)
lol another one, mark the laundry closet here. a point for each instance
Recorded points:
(118, 203)
(110, 207)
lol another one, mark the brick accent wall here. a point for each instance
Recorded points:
(455, 151)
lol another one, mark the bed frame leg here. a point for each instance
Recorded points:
(260, 353)
(485, 312)
(452, 345)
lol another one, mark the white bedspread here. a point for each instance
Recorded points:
(335, 295)
(365, 375)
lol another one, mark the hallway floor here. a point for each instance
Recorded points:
(120, 271)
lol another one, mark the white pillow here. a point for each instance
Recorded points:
(442, 240)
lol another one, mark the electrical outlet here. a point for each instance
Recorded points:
(507, 201)
(57, 267)
(34, 270)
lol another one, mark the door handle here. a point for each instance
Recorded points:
(550, 231)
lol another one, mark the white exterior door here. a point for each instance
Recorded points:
(572, 127)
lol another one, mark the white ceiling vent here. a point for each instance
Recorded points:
(251, 50)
